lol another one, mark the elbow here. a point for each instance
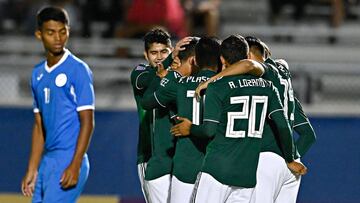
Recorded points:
(145, 105)
(209, 132)
(312, 138)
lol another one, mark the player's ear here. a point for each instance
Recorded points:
(192, 60)
(223, 62)
(38, 34)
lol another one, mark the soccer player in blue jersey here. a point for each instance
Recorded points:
(62, 88)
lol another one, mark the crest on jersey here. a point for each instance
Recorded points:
(60, 80)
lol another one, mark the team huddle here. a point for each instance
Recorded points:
(216, 122)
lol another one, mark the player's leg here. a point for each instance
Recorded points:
(52, 188)
(240, 195)
(269, 177)
(180, 192)
(209, 190)
(159, 189)
(290, 188)
(141, 173)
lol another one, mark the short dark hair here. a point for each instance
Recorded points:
(256, 43)
(189, 49)
(207, 53)
(157, 35)
(51, 13)
(234, 49)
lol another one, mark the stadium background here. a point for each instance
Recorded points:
(324, 58)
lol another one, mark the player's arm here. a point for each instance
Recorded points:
(84, 91)
(186, 128)
(246, 66)
(160, 93)
(304, 128)
(37, 146)
(71, 174)
(284, 133)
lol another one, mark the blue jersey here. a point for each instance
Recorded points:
(59, 93)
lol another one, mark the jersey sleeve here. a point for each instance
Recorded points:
(141, 77)
(269, 72)
(149, 101)
(167, 90)
(160, 92)
(212, 108)
(283, 131)
(304, 128)
(205, 130)
(83, 88)
(168, 61)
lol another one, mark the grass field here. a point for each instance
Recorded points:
(18, 198)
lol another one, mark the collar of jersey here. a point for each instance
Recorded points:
(63, 58)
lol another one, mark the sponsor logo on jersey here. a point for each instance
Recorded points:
(60, 80)
(140, 67)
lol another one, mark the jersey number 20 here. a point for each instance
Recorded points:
(248, 112)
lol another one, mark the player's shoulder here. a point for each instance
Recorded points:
(39, 66)
(141, 67)
(173, 75)
(38, 70)
(283, 68)
(78, 63)
(283, 63)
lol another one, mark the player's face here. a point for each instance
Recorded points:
(157, 53)
(54, 35)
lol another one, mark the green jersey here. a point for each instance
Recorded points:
(163, 143)
(240, 105)
(281, 78)
(190, 150)
(303, 127)
(141, 77)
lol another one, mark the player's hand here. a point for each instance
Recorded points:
(28, 183)
(179, 46)
(181, 129)
(201, 86)
(161, 71)
(297, 168)
(70, 176)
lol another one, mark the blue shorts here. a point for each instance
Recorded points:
(48, 188)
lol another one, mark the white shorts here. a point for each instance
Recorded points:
(275, 182)
(141, 173)
(180, 192)
(159, 189)
(209, 190)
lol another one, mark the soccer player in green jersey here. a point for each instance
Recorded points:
(157, 49)
(189, 151)
(236, 108)
(158, 96)
(275, 182)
